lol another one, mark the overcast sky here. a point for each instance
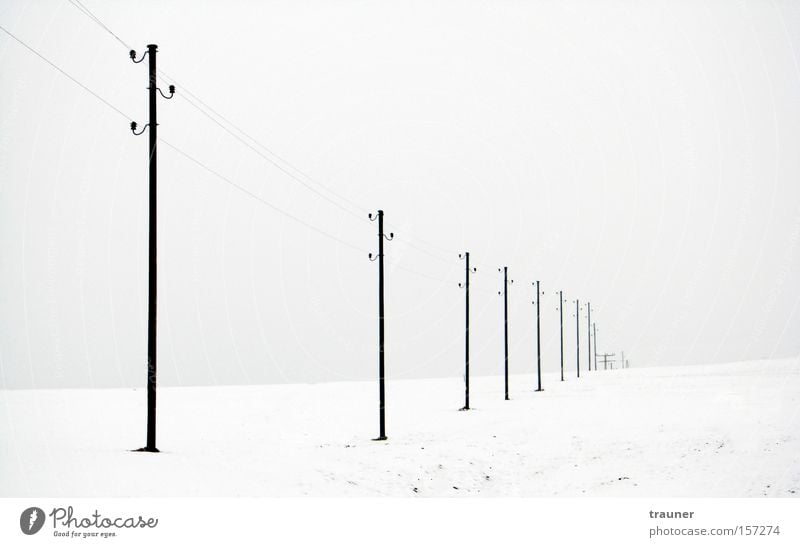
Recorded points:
(639, 155)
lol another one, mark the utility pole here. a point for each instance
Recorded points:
(538, 339)
(594, 336)
(578, 335)
(622, 360)
(505, 323)
(152, 276)
(589, 334)
(561, 323)
(466, 338)
(381, 314)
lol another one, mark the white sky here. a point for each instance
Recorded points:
(640, 155)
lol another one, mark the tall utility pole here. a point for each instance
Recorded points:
(538, 339)
(561, 323)
(578, 335)
(466, 332)
(505, 324)
(381, 340)
(152, 276)
(589, 334)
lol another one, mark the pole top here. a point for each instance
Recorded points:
(152, 46)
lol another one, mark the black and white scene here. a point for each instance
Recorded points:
(422, 249)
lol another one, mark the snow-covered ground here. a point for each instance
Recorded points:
(712, 430)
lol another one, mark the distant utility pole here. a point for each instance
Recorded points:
(622, 360)
(578, 336)
(538, 339)
(152, 282)
(466, 332)
(561, 324)
(506, 281)
(381, 341)
(589, 333)
(594, 336)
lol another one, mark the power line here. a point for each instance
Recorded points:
(410, 243)
(215, 173)
(231, 182)
(79, 5)
(271, 161)
(276, 159)
(432, 255)
(293, 217)
(221, 177)
(262, 200)
(49, 62)
(86, 11)
(206, 113)
(420, 274)
(276, 156)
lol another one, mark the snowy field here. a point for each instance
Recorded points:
(713, 430)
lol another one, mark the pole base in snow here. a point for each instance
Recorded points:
(146, 449)
(463, 408)
(540, 389)
(381, 438)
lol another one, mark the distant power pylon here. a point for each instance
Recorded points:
(381, 340)
(506, 281)
(607, 362)
(465, 286)
(589, 334)
(561, 325)
(152, 284)
(578, 336)
(538, 338)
